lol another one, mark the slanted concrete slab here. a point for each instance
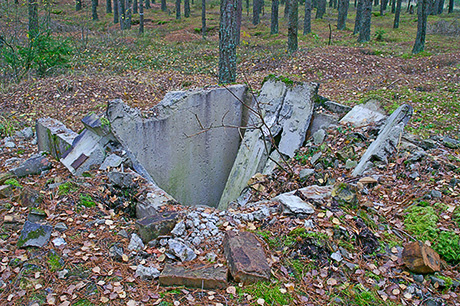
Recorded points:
(182, 146)
(321, 121)
(151, 227)
(54, 137)
(195, 276)
(295, 116)
(246, 258)
(387, 140)
(365, 114)
(97, 124)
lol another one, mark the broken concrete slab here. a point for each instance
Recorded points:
(365, 114)
(182, 251)
(321, 121)
(292, 204)
(246, 258)
(420, 258)
(151, 227)
(36, 164)
(299, 201)
(295, 116)
(33, 234)
(387, 140)
(111, 161)
(195, 276)
(54, 137)
(125, 180)
(97, 124)
(150, 203)
(180, 146)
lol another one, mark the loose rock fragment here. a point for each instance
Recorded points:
(33, 234)
(196, 276)
(151, 227)
(34, 165)
(420, 258)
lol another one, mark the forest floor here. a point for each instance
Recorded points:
(171, 55)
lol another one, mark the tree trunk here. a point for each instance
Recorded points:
(178, 9)
(321, 10)
(186, 8)
(239, 12)
(94, 9)
(359, 17)
(422, 13)
(128, 14)
(451, 6)
(397, 14)
(78, 5)
(408, 6)
(433, 7)
(441, 7)
(33, 18)
(274, 19)
(307, 20)
(108, 6)
(393, 6)
(141, 16)
(163, 5)
(115, 11)
(286, 9)
(203, 18)
(255, 12)
(365, 27)
(122, 14)
(293, 24)
(334, 4)
(343, 12)
(247, 7)
(376, 2)
(147, 4)
(135, 7)
(227, 45)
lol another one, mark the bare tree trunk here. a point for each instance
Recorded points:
(440, 7)
(186, 8)
(122, 14)
(286, 9)
(293, 25)
(256, 12)
(178, 9)
(365, 28)
(108, 6)
(239, 15)
(203, 18)
(393, 6)
(116, 11)
(94, 9)
(147, 4)
(397, 14)
(451, 6)
(321, 10)
(141, 16)
(343, 13)
(33, 18)
(274, 17)
(128, 14)
(227, 44)
(422, 13)
(135, 7)
(359, 17)
(77, 5)
(163, 5)
(307, 20)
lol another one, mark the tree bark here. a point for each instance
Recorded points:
(227, 44)
(122, 14)
(186, 8)
(359, 17)
(78, 5)
(343, 12)
(422, 13)
(382, 7)
(163, 5)
(321, 10)
(286, 9)
(115, 11)
(393, 6)
(135, 7)
(451, 6)
(108, 6)
(397, 14)
(178, 9)
(94, 9)
(307, 20)
(33, 18)
(128, 14)
(147, 4)
(293, 23)
(256, 12)
(203, 18)
(141, 16)
(440, 7)
(239, 12)
(274, 17)
(365, 27)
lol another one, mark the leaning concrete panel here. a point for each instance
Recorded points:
(54, 137)
(186, 161)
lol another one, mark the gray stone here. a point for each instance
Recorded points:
(36, 235)
(414, 175)
(59, 242)
(436, 194)
(181, 250)
(315, 158)
(418, 278)
(179, 229)
(350, 164)
(6, 191)
(305, 173)
(295, 116)
(147, 272)
(159, 224)
(29, 197)
(61, 227)
(177, 147)
(335, 107)
(111, 161)
(293, 204)
(62, 274)
(36, 164)
(387, 139)
(54, 137)
(36, 215)
(135, 244)
(9, 144)
(196, 241)
(97, 124)
(351, 265)
(309, 224)
(26, 133)
(365, 114)
(451, 142)
(116, 253)
(337, 256)
(246, 258)
(122, 179)
(123, 233)
(428, 144)
(441, 282)
(195, 276)
(318, 137)
(321, 121)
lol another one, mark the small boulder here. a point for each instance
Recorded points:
(34, 165)
(196, 276)
(181, 250)
(29, 197)
(151, 227)
(34, 234)
(147, 272)
(135, 243)
(420, 258)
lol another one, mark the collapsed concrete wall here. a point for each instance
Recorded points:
(183, 146)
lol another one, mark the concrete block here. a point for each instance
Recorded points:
(151, 227)
(54, 137)
(195, 276)
(365, 114)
